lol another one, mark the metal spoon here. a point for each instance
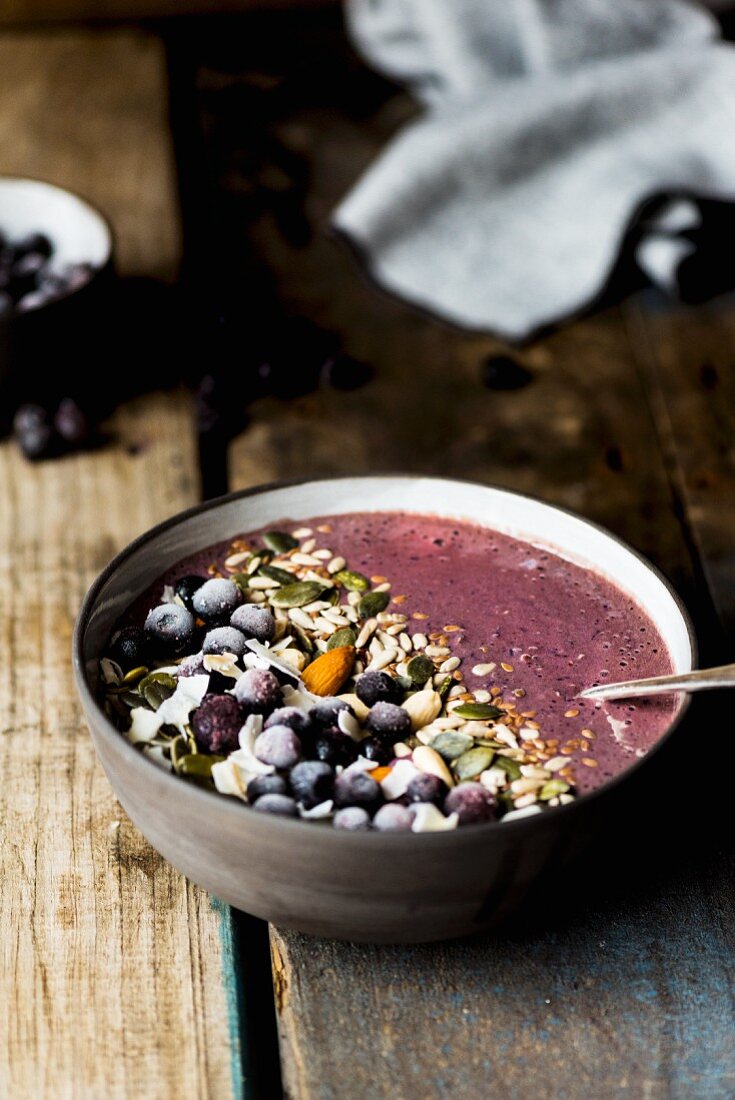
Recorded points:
(699, 680)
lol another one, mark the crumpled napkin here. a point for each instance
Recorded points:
(546, 126)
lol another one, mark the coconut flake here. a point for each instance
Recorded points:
(362, 764)
(252, 728)
(224, 663)
(349, 724)
(190, 690)
(169, 594)
(526, 811)
(144, 725)
(297, 697)
(227, 779)
(157, 755)
(324, 809)
(266, 655)
(428, 819)
(397, 780)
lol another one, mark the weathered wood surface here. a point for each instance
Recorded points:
(65, 11)
(625, 987)
(114, 970)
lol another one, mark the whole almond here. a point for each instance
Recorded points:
(327, 673)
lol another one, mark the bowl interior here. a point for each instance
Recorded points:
(77, 231)
(522, 517)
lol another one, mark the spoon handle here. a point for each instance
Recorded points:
(699, 680)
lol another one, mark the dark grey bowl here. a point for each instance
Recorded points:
(370, 887)
(54, 332)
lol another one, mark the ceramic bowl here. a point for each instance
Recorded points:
(53, 332)
(361, 886)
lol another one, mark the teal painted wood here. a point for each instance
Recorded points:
(231, 972)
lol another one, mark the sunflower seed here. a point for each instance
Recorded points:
(450, 665)
(335, 565)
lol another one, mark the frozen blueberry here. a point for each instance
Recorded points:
(295, 719)
(472, 802)
(279, 804)
(170, 628)
(334, 747)
(216, 723)
(378, 687)
(311, 782)
(324, 713)
(254, 622)
(216, 600)
(357, 788)
(71, 423)
(278, 746)
(372, 749)
(426, 788)
(392, 818)
(33, 432)
(352, 818)
(129, 647)
(224, 639)
(29, 415)
(33, 242)
(193, 666)
(388, 722)
(186, 587)
(266, 784)
(259, 690)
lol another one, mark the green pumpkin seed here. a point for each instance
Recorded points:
(302, 639)
(354, 582)
(477, 711)
(345, 636)
(451, 744)
(279, 542)
(197, 766)
(552, 788)
(444, 687)
(157, 686)
(509, 766)
(372, 603)
(420, 669)
(470, 764)
(276, 574)
(242, 580)
(134, 675)
(296, 595)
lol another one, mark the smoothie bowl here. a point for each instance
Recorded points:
(350, 706)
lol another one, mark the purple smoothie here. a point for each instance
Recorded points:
(560, 627)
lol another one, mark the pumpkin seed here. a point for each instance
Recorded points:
(157, 686)
(445, 686)
(279, 542)
(372, 603)
(302, 639)
(509, 766)
(242, 580)
(354, 582)
(478, 711)
(451, 744)
(470, 764)
(553, 788)
(276, 574)
(420, 668)
(197, 766)
(296, 595)
(345, 636)
(134, 675)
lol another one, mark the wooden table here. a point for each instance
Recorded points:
(118, 978)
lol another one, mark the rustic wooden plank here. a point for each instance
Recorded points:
(115, 971)
(88, 110)
(600, 996)
(687, 363)
(68, 11)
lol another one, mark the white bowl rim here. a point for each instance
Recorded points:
(206, 797)
(103, 224)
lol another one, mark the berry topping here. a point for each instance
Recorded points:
(266, 784)
(352, 818)
(334, 747)
(254, 622)
(170, 629)
(388, 722)
(279, 804)
(378, 687)
(392, 818)
(258, 689)
(311, 782)
(426, 788)
(279, 746)
(472, 802)
(295, 719)
(372, 749)
(324, 713)
(224, 639)
(186, 587)
(129, 647)
(216, 723)
(216, 600)
(357, 788)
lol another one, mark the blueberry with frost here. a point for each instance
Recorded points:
(216, 600)
(170, 629)
(254, 622)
